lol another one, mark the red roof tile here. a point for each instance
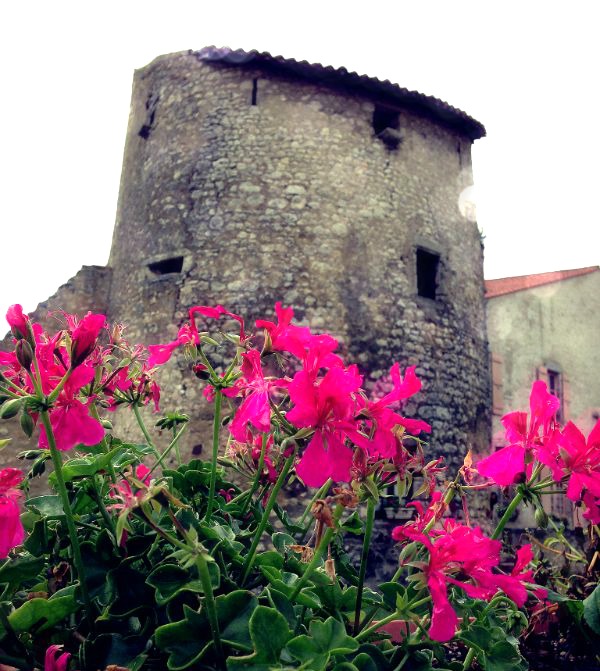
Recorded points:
(423, 104)
(508, 285)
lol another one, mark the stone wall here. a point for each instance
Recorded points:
(294, 198)
(87, 291)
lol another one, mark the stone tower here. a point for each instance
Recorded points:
(249, 178)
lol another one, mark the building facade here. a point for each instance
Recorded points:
(249, 178)
(545, 327)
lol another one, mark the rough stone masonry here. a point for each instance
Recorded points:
(249, 178)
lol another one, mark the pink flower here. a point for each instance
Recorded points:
(505, 466)
(84, 337)
(71, 422)
(581, 460)
(285, 336)
(123, 490)
(327, 405)
(383, 420)
(54, 661)
(458, 554)
(17, 321)
(255, 408)
(11, 529)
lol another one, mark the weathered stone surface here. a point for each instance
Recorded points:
(296, 199)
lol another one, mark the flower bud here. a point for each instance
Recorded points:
(541, 518)
(17, 322)
(200, 371)
(10, 408)
(27, 424)
(84, 338)
(24, 354)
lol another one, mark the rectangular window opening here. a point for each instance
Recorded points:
(427, 270)
(555, 388)
(167, 266)
(254, 91)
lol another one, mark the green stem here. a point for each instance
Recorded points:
(469, 659)
(215, 453)
(62, 491)
(374, 627)
(140, 421)
(363, 561)
(59, 387)
(259, 470)
(96, 415)
(265, 517)
(512, 506)
(169, 447)
(319, 552)
(211, 610)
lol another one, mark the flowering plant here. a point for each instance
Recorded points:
(133, 564)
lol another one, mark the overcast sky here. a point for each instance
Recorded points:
(527, 70)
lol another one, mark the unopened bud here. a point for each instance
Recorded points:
(24, 354)
(27, 424)
(10, 408)
(200, 371)
(541, 518)
(330, 569)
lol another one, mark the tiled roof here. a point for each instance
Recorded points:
(418, 102)
(508, 285)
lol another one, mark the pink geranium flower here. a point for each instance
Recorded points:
(17, 321)
(526, 437)
(11, 529)
(84, 337)
(255, 388)
(383, 420)
(285, 336)
(70, 419)
(326, 405)
(56, 660)
(580, 460)
(465, 557)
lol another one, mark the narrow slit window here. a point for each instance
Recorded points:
(255, 91)
(427, 273)
(167, 266)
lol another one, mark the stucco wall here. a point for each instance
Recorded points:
(555, 325)
(295, 199)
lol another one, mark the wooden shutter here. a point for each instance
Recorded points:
(566, 398)
(497, 384)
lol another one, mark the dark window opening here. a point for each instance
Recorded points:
(427, 270)
(386, 125)
(254, 91)
(148, 126)
(167, 266)
(555, 388)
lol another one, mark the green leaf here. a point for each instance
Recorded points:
(269, 558)
(41, 614)
(324, 639)
(370, 658)
(188, 640)
(4, 442)
(20, 570)
(503, 657)
(476, 637)
(169, 580)
(48, 505)
(269, 632)
(591, 610)
(83, 467)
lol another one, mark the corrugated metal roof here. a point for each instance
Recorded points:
(508, 285)
(386, 90)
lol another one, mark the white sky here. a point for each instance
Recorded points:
(527, 70)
